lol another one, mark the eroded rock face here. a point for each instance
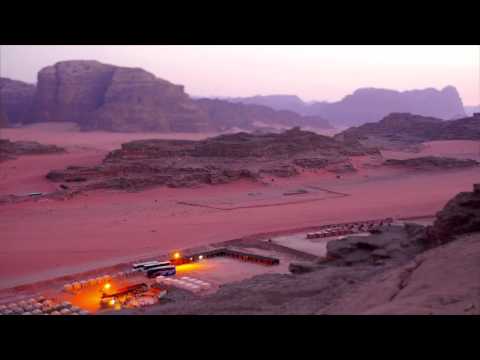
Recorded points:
(113, 98)
(460, 215)
(393, 244)
(16, 98)
(107, 97)
(222, 159)
(398, 130)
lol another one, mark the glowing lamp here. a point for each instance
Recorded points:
(107, 286)
(176, 255)
(200, 257)
(111, 302)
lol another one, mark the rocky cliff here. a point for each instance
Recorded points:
(107, 97)
(16, 98)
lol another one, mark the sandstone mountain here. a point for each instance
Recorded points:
(107, 97)
(16, 98)
(113, 98)
(371, 104)
(400, 129)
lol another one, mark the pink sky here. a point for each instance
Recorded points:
(312, 72)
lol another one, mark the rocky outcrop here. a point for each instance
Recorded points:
(431, 163)
(16, 98)
(402, 129)
(461, 215)
(222, 159)
(9, 149)
(107, 97)
(392, 244)
(371, 104)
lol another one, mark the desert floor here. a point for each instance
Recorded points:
(46, 238)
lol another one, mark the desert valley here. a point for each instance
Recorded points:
(104, 166)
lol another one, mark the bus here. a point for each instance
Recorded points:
(165, 270)
(150, 264)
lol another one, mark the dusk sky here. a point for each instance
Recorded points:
(311, 72)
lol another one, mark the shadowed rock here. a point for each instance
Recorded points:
(432, 162)
(398, 130)
(16, 98)
(461, 215)
(9, 149)
(218, 160)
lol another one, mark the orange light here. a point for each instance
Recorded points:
(111, 302)
(107, 286)
(176, 255)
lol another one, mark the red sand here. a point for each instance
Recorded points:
(48, 238)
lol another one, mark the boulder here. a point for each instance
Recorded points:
(393, 243)
(460, 215)
(303, 267)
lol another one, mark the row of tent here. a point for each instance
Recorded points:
(185, 283)
(41, 306)
(78, 285)
(348, 228)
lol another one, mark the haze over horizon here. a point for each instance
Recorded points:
(320, 73)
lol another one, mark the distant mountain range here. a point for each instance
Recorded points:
(113, 98)
(369, 105)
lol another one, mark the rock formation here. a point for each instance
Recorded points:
(222, 159)
(16, 98)
(107, 97)
(431, 163)
(399, 130)
(9, 149)
(461, 215)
